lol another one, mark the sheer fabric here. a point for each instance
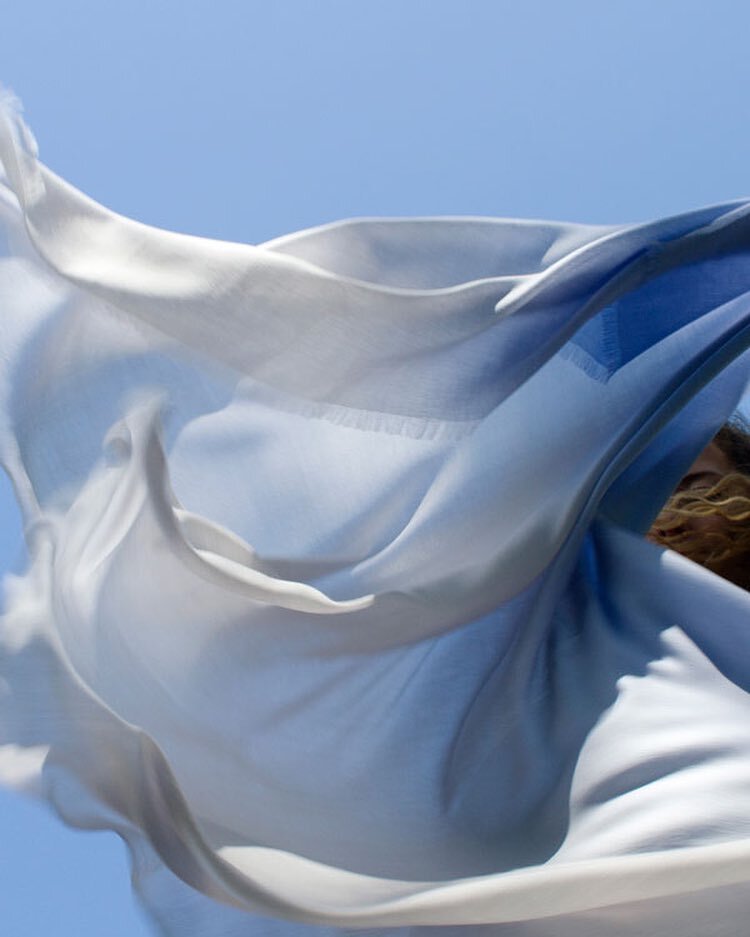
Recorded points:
(338, 607)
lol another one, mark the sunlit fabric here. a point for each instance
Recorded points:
(338, 607)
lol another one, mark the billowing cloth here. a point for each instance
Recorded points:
(338, 607)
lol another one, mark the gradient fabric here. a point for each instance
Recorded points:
(338, 607)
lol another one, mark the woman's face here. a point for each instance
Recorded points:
(709, 468)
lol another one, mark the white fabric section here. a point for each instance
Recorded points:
(338, 607)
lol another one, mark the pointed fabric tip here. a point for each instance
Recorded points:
(18, 150)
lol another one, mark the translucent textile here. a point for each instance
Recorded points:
(338, 607)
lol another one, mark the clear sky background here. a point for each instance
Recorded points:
(244, 120)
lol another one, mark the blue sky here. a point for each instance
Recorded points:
(245, 120)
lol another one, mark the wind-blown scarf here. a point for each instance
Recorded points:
(338, 607)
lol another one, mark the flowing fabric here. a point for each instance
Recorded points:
(338, 607)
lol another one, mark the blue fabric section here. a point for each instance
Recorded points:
(658, 308)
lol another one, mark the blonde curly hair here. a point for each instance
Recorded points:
(710, 524)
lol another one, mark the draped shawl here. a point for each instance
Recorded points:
(338, 607)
